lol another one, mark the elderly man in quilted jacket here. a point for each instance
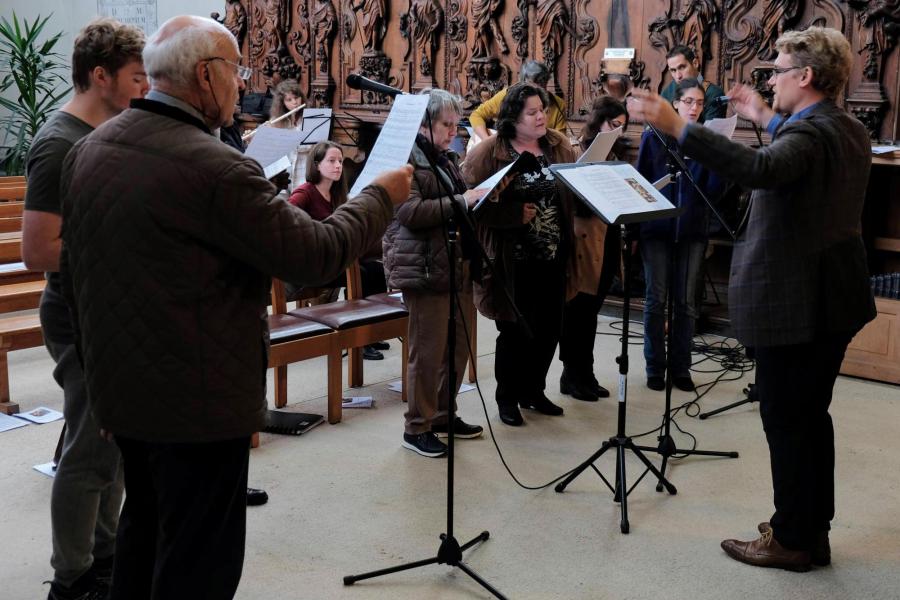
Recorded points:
(169, 238)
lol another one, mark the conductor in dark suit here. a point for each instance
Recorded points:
(799, 287)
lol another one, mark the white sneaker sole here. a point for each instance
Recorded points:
(418, 450)
(459, 436)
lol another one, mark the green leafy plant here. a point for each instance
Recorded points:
(38, 76)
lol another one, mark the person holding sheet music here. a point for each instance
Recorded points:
(528, 233)
(657, 243)
(324, 190)
(597, 257)
(286, 98)
(416, 262)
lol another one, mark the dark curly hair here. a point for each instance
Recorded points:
(603, 109)
(513, 105)
(104, 43)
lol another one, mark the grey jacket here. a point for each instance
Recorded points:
(415, 251)
(798, 272)
(169, 240)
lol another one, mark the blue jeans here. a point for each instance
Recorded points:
(688, 259)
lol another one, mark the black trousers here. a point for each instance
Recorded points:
(579, 329)
(183, 525)
(795, 385)
(521, 363)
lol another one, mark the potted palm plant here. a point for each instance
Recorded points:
(32, 83)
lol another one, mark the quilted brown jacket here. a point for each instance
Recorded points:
(170, 237)
(415, 251)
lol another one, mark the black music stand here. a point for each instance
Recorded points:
(620, 442)
(667, 447)
(450, 551)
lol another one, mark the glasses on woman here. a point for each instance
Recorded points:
(691, 101)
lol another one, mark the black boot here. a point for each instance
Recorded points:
(576, 386)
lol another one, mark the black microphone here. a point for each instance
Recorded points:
(358, 82)
(718, 100)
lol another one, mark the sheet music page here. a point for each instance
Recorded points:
(269, 144)
(615, 190)
(316, 125)
(599, 149)
(490, 183)
(724, 127)
(395, 142)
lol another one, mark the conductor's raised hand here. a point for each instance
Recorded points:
(747, 103)
(396, 183)
(529, 211)
(656, 110)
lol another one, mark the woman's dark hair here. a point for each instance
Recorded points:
(317, 155)
(603, 109)
(688, 83)
(513, 105)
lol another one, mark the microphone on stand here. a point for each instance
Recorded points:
(358, 82)
(719, 100)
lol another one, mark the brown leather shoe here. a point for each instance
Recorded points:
(821, 550)
(767, 552)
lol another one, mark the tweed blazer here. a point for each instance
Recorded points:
(798, 272)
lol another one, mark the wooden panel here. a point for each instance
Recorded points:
(474, 47)
(875, 351)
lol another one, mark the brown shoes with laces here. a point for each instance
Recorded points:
(767, 552)
(821, 550)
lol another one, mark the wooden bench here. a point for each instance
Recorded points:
(17, 332)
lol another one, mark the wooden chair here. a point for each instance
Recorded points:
(293, 339)
(16, 333)
(359, 322)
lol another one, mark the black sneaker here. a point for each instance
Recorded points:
(256, 497)
(656, 383)
(425, 444)
(684, 383)
(461, 430)
(80, 590)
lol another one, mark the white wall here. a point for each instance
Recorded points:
(71, 15)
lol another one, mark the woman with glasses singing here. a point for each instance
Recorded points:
(686, 236)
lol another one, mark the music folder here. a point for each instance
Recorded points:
(525, 163)
(615, 192)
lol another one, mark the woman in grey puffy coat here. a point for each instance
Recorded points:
(416, 262)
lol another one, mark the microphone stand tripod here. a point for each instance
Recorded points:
(667, 447)
(450, 551)
(621, 442)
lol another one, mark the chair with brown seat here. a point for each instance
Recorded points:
(293, 339)
(360, 322)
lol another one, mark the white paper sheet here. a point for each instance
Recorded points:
(395, 142)
(41, 414)
(724, 127)
(358, 402)
(599, 149)
(316, 125)
(48, 469)
(7, 422)
(270, 144)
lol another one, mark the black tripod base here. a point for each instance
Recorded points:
(621, 490)
(667, 449)
(450, 553)
(749, 391)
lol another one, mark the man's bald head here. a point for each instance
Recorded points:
(172, 53)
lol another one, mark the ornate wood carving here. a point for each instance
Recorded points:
(325, 24)
(552, 21)
(474, 47)
(485, 14)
